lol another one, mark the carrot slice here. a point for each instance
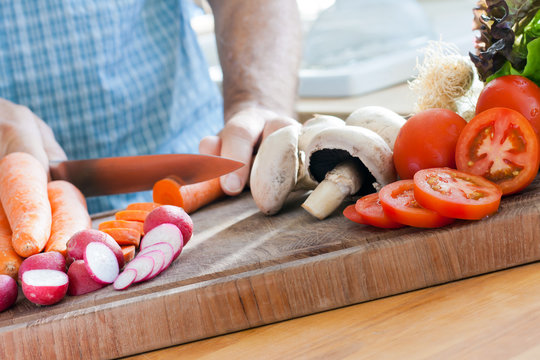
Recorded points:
(135, 225)
(131, 215)
(190, 197)
(129, 252)
(23, 193)
(69, 214)
(9, 259)
(146, 206)
(124, 236)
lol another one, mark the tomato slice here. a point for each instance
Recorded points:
(456, 194)
(398, 202)
(500, 145)
(371, 211)
(350, 213)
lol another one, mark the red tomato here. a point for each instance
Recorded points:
(500, 145)
(371, 211)
(513, 92)
(456, 194)
(428, 139)
(350, 213)
(398, 202)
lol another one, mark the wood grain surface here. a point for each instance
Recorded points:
(243, 269)
(493, 316)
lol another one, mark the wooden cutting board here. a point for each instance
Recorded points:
(243, 269)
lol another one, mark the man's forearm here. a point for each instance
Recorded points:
(259, 45)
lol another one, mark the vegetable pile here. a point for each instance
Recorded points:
(47, 244)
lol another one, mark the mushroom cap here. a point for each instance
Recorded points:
(383, 121)
(312, 126)
(309, 129)
(274, 171)
(372, 155)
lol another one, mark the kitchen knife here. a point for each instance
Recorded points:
(117, 175)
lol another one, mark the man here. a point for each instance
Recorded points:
(112, 78)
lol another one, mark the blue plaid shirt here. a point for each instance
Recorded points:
(111, 77)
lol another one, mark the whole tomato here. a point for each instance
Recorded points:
(514, 92)
(427, 140)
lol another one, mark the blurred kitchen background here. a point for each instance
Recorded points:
(360, 52)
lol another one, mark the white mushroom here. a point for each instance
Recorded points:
(345, 160)
(383, 121)
(275, 168)
(309, 129)
(279, 166)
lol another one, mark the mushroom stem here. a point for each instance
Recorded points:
(342, 181)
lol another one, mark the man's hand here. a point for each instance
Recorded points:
(259, 45)
(21, 130)
(239, 139)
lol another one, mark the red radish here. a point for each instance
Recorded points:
(144, 265)
(167, 250)
(164, 233)
(44, 286)
(52, 260)
(80, 281)
(126, 278)
(77, 245)
(170, 214)
(8, 292)
(101, 262)
(159, 261)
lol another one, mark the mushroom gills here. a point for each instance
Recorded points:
(339, 175)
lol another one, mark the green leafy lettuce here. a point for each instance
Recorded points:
(509, 41)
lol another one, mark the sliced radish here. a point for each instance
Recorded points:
(80, 281)
(170, 214)
(159, 261)
(8, 292)
(101, 262)
(77, 244)
(167, 250)
(52, 260)
(126, 278)
(143, 265)
(164, 233)
(44, 286)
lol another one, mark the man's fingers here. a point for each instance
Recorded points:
(53, 150)
(238, 139)
(210, 145)
(277, 123)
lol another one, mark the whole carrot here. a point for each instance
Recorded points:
(23, 193)
(9, 259)
(190, 197)
(69, 214)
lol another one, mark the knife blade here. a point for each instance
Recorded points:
(125, 174)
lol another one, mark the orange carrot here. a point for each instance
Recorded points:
(190, 197)
(23, 193)
(129, 252)
(131, 215)
(124, 236)
(9, 259)
(146, 206)
(135, 225)
(69, 214)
